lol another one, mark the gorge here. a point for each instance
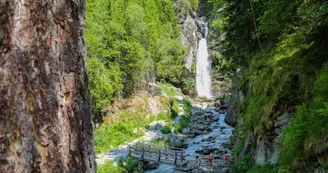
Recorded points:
(81, 80)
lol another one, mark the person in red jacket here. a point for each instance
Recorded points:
(210, 162)
(226, 158)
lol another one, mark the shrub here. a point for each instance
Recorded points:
(243, 166)
(182, 124)
(174, 109)
(131, 164)
(162, 116)
(111, 135)
(266, 168)
(187, 107)
(109, 167)
(165, 130)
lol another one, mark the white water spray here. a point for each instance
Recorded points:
(203, 66)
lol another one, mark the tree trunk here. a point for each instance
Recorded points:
(45, 110)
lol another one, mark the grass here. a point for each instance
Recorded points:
(111, 135)
(184, 123)
(109, 167)
(166, 130)
(307, 134)
(161, 142)
(168, 89)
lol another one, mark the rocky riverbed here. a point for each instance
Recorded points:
(209, 134)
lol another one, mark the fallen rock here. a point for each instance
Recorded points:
(175, 141)
(215, 117)
(157, 125)
(197, 113)
(150, 166)
(186, 131)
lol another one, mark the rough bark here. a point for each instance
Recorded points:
(45, 117)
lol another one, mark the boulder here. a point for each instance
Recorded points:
(157, 125)
(175, 141)
(226, 104)
(207, 150)
(231, 117)
(150, 166)
(186, 131)
(154, 89)
(196, 132)
(216, 117)
(197, 113)
(226, 170)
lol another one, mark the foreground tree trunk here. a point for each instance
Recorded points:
(45, 117)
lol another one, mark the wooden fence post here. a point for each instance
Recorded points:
(159, 157)
(175, 158)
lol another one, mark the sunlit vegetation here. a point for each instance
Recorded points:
(130, 43)
(111, 135)
(281, 49)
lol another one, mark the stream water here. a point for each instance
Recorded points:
(219, 136)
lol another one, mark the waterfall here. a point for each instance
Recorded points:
(203, 67)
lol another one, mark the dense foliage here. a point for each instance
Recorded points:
(130, 42)
(280, 47)
(111, 135)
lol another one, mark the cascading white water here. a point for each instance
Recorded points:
(203, 67)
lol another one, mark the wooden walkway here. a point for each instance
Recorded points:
(173, 156)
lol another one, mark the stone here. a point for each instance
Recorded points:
(226, 104)
(226, 170)
(215, 117)
(197, 113)
(177, 119)
(186, 131)
(196, 132)
(154, 89)
(157, 125)
(175, 141)
(150, 166)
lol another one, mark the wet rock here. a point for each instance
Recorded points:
(226, 170)
(150, 166)
(226, 104)
(196, 132)
(225, 145)
(231, 117)
(186, 131)
(215, 117)
(207, 150)
(197, 113)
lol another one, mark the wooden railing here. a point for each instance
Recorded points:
(158, 155)
(174, 156)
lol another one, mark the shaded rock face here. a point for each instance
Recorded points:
(45, 116)
(189, 40)
(231, 117)
(268, 142)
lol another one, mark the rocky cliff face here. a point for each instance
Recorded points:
(45, 117)
(187, 22)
